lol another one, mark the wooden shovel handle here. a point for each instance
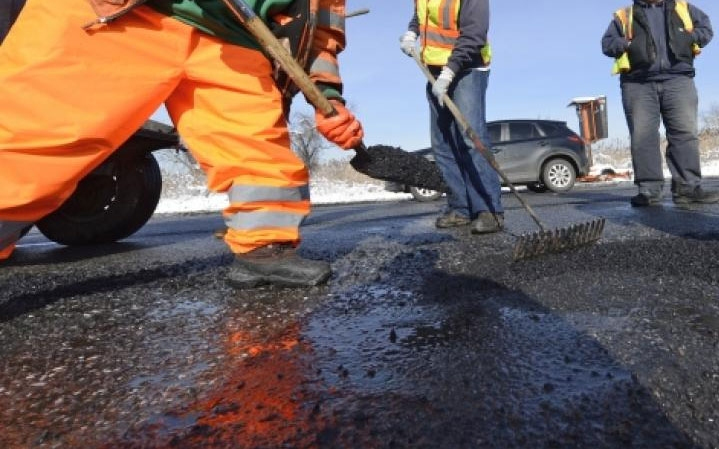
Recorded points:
(272, 45)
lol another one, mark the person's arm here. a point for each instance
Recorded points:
(703, 32)
(473, 30)
(343, 129)
(328, 42)
(414, 23)
(614, 44)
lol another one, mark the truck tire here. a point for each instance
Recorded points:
(109, 204)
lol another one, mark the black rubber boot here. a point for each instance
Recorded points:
(696, 195)
(277, 264)
(646, 199)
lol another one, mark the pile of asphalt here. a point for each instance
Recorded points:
(394, 164)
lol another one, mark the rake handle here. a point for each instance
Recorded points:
(469, 132)
(279, 53)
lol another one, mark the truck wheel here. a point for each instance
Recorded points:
(109, 204)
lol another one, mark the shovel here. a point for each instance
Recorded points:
(378, 161)
(530, 244)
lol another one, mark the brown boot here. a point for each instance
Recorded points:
(277, 264)
(487, 222)
(452, 219)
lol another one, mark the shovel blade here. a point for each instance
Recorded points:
(558, 240)
(396, 165)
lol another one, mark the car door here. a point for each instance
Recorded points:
(519, 149)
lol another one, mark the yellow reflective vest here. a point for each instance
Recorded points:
(626, 19)
(439, 29)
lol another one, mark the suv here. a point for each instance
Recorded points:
(540, 154)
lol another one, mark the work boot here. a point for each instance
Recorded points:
(645, 199)
(487, 222)
(277, 264)
(452, 219)
(219, 233)
(696, 195)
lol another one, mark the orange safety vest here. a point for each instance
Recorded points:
(439, 28)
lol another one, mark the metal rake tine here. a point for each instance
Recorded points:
(558, 240)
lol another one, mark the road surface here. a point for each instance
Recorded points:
(423, 338)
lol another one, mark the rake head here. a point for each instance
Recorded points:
(558, 240)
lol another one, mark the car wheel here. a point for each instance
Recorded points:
(537, 187)
(558, 175)
(109, 204)
(424, 195)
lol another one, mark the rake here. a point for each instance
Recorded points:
(529, 244)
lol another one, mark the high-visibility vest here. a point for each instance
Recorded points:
(626, 18)
(439, 29)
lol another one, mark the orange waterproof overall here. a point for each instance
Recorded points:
(69, 97)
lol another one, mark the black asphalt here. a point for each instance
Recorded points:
(422, 338)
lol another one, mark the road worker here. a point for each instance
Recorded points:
(654, 43)
(77, 78)
(455, 47)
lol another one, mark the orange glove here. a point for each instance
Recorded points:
(343, 129)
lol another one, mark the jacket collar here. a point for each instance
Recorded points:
(644, 4)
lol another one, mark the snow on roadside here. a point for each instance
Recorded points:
(196, 198)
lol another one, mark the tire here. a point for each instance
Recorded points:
(109, 204)
(559, 175)
(537, 187)
(424, 195)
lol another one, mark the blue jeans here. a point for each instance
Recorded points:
(673, 101)
(474, 186)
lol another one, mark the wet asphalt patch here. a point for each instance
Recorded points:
(422, 339)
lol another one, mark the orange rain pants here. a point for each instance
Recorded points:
(70, 97)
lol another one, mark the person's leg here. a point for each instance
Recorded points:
(443, 148)
(482, 182)
(229, 113)
(679, 102)
(70, 97)
(642, 112)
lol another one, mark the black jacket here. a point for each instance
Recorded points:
(660, 49)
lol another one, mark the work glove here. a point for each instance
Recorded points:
(408, 43)
(441, 84)
(342, 129)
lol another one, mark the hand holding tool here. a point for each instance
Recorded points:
(408, 42)
(342, 129)
(441, 84)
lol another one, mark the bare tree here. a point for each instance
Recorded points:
(710, 120)
(306, 141)
(709, 133)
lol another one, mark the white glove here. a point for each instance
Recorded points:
(441, 84)
(408, 43)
